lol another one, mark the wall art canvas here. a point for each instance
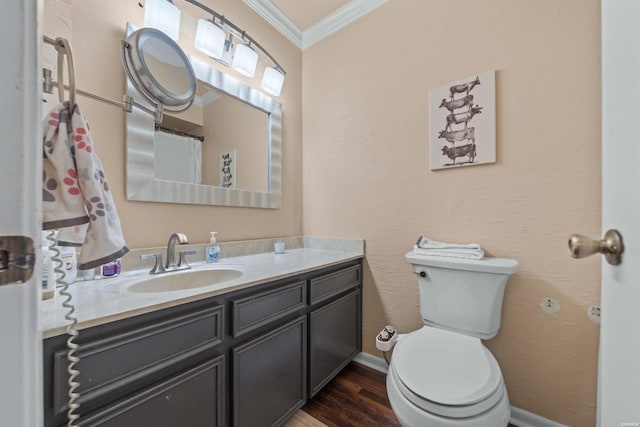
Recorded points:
(462, 124)
(228, 169)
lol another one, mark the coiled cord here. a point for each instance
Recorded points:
(72, 358)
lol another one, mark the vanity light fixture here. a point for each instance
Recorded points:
(272, 81)
(214, 37)
(210, 38)
(162, 15)
(245, 60)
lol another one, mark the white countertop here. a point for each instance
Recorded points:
(106, 300)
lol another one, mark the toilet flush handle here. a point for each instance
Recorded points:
(421, 274)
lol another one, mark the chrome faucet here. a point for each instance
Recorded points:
(171, 264)
(171, 251)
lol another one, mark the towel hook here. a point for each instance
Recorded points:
(64, 48)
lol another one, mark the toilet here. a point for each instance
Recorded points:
(442, 375)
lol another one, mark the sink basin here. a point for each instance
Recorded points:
(186, 279)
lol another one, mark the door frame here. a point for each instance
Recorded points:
(20, 210)
(619, 354)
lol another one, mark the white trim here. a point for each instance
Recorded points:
(373, 362)
(207, 98)
(277, 19)
(330, 24)
(21, 213)
(338, 20)
(519, 417)
(523, 418)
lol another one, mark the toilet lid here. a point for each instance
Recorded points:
(446, 367)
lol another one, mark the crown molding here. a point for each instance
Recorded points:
(338, 20)
(277, 19)
(208, 97)
(319, 31)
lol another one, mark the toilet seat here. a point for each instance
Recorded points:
(446, 373)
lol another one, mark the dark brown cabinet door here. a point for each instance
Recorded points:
(269, 375)
(194, 398)
(334, 334)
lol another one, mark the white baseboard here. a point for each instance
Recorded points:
(373, 362)
(519, 417)
(523, 418)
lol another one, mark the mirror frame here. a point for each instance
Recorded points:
(143, 186)
(144, 80)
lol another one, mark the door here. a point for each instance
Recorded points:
(619, 361)
(20, 212)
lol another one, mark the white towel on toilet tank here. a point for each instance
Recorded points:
(426, 246)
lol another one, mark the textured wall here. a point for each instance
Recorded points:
(366, 170)
(237, 127)
(95, 29)
(366, 174)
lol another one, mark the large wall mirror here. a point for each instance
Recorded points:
(224, 150)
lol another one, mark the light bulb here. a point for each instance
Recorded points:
(245, 60)
(210, 38)
(164, 16)
(272, 81)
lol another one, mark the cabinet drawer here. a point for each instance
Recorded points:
(126, 361)
(194, 398)
(331, 284)
(257, 310)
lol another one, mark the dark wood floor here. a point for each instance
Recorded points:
(357, 397)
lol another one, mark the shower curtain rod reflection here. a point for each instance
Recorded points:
(178, 132)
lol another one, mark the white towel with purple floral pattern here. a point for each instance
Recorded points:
(75, 194)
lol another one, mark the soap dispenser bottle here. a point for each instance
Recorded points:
(212, 251)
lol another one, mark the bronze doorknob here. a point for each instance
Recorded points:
(610, 246)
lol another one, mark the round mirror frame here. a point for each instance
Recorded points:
(142, 77)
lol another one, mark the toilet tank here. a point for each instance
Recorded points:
(462, 295)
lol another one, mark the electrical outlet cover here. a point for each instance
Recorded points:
(549, 305)
(593, 313)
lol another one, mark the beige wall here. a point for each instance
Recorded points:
(366, 170)
(366, 174)
(95, 29)
(236, 126)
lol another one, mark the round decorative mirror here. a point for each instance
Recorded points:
(159, 69)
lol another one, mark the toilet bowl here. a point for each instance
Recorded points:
(442, 375)
(441, 378)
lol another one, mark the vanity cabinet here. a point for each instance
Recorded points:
(269, 376)
(192, 398)
(334, 339)
(251, 357)
(334, 324)
(139, 365)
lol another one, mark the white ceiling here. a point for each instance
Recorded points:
(306, 22)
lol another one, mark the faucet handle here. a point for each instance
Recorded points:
(182, 260)
(157, 267)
